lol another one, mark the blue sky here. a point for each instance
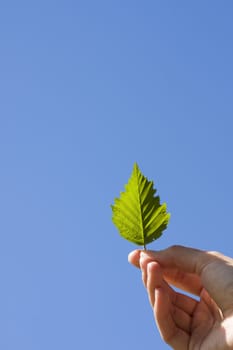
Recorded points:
(87, 88)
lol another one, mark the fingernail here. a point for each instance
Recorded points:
(142, 255)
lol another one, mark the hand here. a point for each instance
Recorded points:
(185, 323)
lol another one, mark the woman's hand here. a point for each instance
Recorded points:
(185, 323)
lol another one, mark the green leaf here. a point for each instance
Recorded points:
(137, 213)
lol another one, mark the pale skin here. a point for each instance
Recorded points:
(183, 322)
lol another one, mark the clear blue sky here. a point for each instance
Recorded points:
(87, 88)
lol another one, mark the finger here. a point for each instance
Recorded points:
(182, 305)
(188, 282)
(182, 320)
(134, 258)
(178, 264)
(212, 306)
(155, 280)
(184, 302)
(143, 263)
(184, 259)
(170, 332)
